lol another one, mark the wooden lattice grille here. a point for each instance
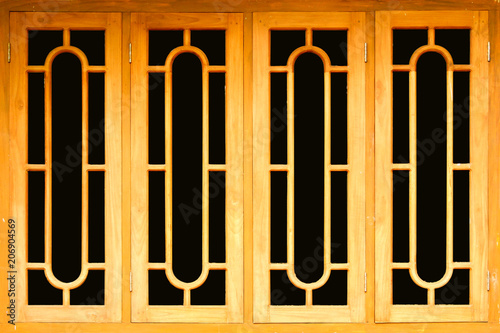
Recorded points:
(308, 312)
(475, 309)
(22, 23)
(142, 310)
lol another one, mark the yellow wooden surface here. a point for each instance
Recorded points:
(250, 6)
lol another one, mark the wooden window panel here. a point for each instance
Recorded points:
(231, 312)
(476, 310)
(111, 24)
(354, 311)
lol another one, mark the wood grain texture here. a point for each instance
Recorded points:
(248, 327)
(5, 212)
(370, 169)
(126, 174)
(494, 168)
(239, 6)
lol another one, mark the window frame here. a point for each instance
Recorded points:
(110, 312)
(248, 8)
(384, 165)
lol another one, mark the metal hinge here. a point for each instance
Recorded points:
(8, 52)
(488, 282)
(129, 53)
(365, 282)
(489, 51)
(366, 52)
(130, 281)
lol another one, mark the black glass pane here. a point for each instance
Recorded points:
(40, 291)
(67, 167)
(217, 118)
(461, 121)
(339, 217)
(36, 118)
(36, 216)
(156, 134)
(91, 292)
(96, 133)
(431, 167)
(404, 290)
(217, 216)
(283, 43)
(401, 216)
(278, 118)
(334, 43)
(334, 291)
(96, 216)
(309, 160)
(461, 216)
(278, 216)
(400, 117)
(212, 43)
(405, 42)
(457, 290)
(212, 291)
(156, 216)
(92, 44)
(187, 166)
(40, 43)
(161, 43)
(339, 118)
(457, 42)
(161, 291)
(283, 292)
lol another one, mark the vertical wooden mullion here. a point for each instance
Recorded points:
(449, 181)
(383, 177)
(234, 168)
(126, 171)
(370, 169)
(205, 171)
(290, 202)
(113, 173)
(18, 123)
(85, 172)
(494, 166)
(261, 176)
(139, 181)
(356, 174)
(248, 222)
(479, 167)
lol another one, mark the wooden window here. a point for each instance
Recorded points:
(301, 173)
(250, 166)
(196, 163)
(66, 173)
(435, 251)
